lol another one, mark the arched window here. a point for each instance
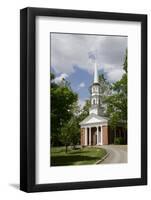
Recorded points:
(93, 101)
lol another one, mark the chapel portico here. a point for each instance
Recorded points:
(93, 135)
(94, 130)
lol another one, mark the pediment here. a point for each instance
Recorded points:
(93, 118)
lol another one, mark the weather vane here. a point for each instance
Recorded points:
(92, 55)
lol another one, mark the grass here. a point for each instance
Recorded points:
(83, 156)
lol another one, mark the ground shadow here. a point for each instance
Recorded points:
(71, 159)
(78, 151)
(15, 185)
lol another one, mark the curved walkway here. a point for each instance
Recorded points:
(117, 154)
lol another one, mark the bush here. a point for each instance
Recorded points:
(119, 140)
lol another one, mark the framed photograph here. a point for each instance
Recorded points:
(83, 99)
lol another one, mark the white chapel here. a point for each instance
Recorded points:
(94, 128)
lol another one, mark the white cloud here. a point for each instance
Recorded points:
(81, 85)
(70, 50)
(60, 78)
(115, 75)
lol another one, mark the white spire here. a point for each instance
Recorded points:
(95, 73)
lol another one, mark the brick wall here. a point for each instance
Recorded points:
(105, 135)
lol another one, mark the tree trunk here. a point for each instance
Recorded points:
(114, 135)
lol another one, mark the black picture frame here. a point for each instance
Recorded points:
(28, 98)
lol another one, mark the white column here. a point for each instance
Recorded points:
(90, 136)
(86, 135)
(97, 142)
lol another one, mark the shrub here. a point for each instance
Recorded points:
(119, 140)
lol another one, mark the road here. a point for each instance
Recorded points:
(117, 154)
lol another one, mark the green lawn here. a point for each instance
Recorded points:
(81, 156)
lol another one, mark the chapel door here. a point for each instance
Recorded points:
(94, 138)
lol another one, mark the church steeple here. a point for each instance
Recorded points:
(95, 94)
(95, 73)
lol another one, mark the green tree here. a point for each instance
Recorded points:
(84, 112)
(74, 129)
(70, 133)
(105, 86)
(117, 102)
(65, 136)
(62, 102)
(105, 92)
(125, 62)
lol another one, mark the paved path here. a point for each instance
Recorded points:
(117, 154)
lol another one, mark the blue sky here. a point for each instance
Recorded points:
(70, 59)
